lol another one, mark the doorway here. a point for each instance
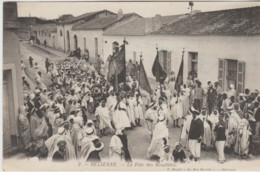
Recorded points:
(7, 110)
(75, 42)
(85, 43)
(53, 41)
(96, 47)
(68, 41)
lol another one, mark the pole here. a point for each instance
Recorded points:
(160, 79)
(116, 79)
(139, 67)
(125, 62)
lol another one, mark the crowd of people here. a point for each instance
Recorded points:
(65, 119)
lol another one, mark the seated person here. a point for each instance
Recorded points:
(59, 155)
(178, 153)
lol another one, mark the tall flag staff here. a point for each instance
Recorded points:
(142, 78)
(117, 67)
(179, 80)
(158, 71)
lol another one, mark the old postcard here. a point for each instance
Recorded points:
(124, 86)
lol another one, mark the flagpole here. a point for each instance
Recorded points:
(124, 45)
(140, 67)
(160, 79)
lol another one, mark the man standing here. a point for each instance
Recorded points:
(47, 64)
(31, 61)
(257, 118)
(220, 131)
(198, 96)
(212, 94)
(195, 135)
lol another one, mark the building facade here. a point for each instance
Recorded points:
(66, 39)
(46, 34)
(90, 34)
(12, 80)
(230, 56)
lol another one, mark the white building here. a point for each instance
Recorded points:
(47, 33)
(219, 46)
(90, 34)
(66, 40)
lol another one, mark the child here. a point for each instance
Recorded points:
(167, 157)
(178, 153)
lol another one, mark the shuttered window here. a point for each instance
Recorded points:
(241, 76)
(221, 72)
(165, 60)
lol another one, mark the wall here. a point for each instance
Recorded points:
(11, 57)
(48, 37)
(90, 36)
(209, 49)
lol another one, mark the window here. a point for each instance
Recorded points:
(231, 72)
(60, 33)
(49, 35)
(39, 32)
(165, 60)
(193, 63)
(115, 47)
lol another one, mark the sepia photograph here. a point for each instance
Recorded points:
(130, 86)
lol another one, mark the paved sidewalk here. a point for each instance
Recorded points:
(52, 51)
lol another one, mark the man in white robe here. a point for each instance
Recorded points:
(116, 153)
(102, 114)
(130, 109)
(52, 145)
(159, 139)
(150, 117)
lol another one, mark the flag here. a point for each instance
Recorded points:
(179, 80)
(117, 68)
(143, 80)
(158, 71)
(120, 64)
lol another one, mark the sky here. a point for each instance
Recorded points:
(51, 10)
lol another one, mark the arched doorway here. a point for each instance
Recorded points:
(75, 42)
(68, 41)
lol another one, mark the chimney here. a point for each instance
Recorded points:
(120, 14)
(153, 24)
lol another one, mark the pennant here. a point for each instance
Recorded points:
(179, 80)
(143, 80)
(117, 68)
(158, 71)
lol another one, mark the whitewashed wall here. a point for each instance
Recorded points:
(90, 36)
(209, 49)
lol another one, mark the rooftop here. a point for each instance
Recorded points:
(84, 16)
(135, 27)
(243, 21)
(52, 27)
(102, 22)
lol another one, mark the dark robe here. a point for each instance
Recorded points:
(58, 157)
(178, 155)
(124, 141)
(94, 156)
